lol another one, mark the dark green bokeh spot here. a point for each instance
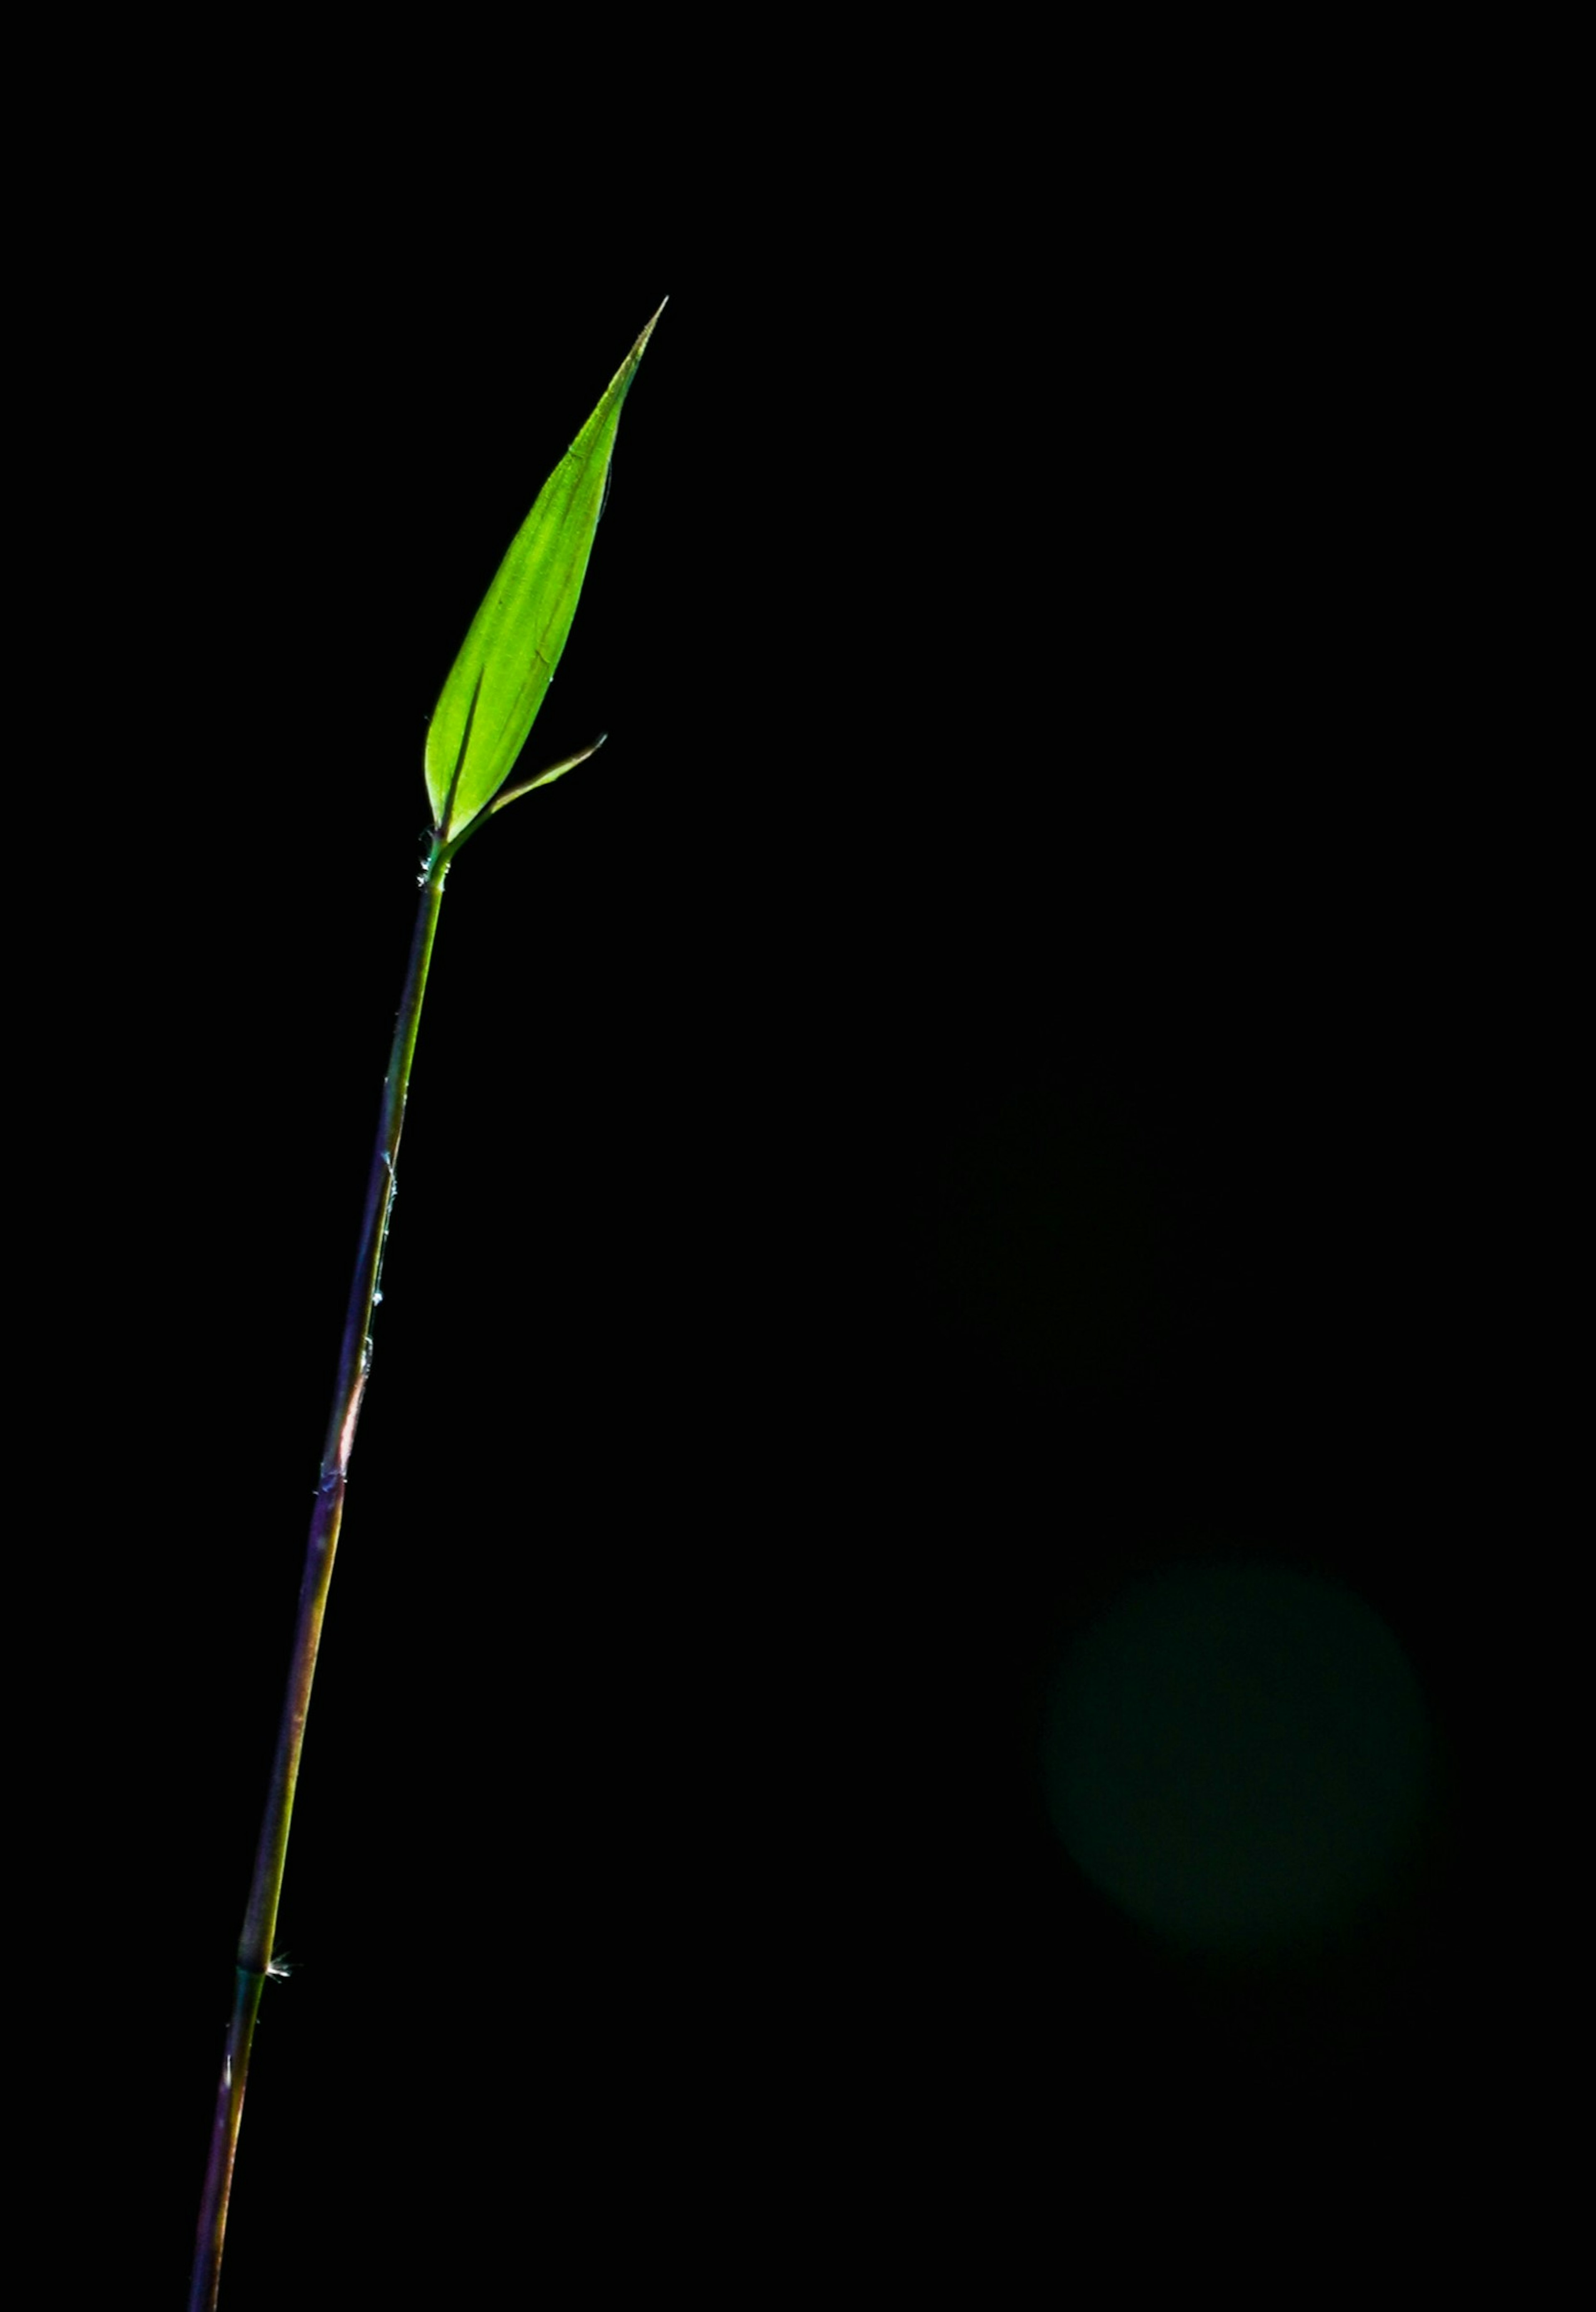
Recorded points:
(1237, 1755)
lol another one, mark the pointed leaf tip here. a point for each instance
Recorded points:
(490, 701)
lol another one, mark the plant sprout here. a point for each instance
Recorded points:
(484, 715)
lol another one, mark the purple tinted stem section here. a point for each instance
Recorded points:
(354, 1358)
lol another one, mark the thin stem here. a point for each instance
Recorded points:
(260, 1918)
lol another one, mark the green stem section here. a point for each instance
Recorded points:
(260, 1919)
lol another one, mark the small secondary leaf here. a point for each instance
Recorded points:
(507, 661)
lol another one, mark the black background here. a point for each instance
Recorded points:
(1009, 1068)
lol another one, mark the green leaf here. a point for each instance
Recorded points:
(507, 661)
